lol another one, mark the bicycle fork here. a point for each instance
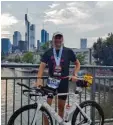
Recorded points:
(84, 115)
(38, 108)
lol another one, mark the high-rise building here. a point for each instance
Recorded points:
(32, 37)
(83, 43)
(44, 36)
(16, 38)
(38, 44)
(22, 45)
(27, 33)
(43, 32)
(47, 36)
(14, 48)
(6, 46)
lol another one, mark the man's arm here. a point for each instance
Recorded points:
(41, 69)
(39, 81)
(77, 67)
(74, 59)
(44, 61)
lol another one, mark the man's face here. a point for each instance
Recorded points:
(58, 39)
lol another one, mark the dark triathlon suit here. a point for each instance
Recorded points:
(67, 57)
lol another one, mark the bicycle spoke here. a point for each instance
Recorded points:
(81, 120)
(31, 118)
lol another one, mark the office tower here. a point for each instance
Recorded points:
(22, 45)
(38, 44)
(47, 37)
(32, 37)
(83, 43)
(6, 46)
(44, 36)
(43, 32)
(27, 33)
(16, 38)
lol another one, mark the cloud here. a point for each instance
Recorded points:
(102, 4)
(9, 6)
(81, 16)
(7, 20)
(53, 5)
(5, 34)
(65, 16)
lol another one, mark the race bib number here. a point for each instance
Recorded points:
(53, 83)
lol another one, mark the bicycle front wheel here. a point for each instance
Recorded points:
(93, 111)
(26, 115)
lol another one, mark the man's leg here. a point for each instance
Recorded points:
(63, 88)
(61, 105)
(49, 101)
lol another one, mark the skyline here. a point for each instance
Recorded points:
(75, 20)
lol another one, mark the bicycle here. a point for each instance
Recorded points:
(42, 106)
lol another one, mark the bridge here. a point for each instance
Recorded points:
(101, 91)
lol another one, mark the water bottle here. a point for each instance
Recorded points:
(66, 117)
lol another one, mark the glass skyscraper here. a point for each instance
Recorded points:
(43, 32)
(44, 36)
(16, 38)
(47, 36)
(6, 46)
(83, 43)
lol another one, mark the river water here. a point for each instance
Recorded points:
(10, 96)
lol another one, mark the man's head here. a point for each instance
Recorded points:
(57, 39)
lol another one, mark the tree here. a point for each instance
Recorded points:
(17, 59)
(103, 51)
(81, 58)
(45, 46)
(2, 56)
(28, 57)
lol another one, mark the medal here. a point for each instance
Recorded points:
(57, 69)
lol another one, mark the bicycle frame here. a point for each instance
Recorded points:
(42, 103)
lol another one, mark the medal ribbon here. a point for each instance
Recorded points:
(57, 59)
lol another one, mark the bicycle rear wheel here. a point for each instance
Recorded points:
(93, 111)
(26, 114)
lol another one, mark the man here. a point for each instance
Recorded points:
(58, 59)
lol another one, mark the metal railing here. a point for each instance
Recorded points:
(12, 97)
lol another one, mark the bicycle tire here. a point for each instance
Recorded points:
(28, 107)
(88, 103)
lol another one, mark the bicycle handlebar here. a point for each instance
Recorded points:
(43, 90)
(24, 85)
(78, 77)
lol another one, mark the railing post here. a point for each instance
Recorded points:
(6, 105)
(21, 102)
(93, 89)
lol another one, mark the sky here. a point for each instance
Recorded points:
(74, 19)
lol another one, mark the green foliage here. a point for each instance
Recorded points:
(11, 59)
(45, 46)
(81, 58)
(103, 51)
(17, 59)
(28, 57)
(2, 56)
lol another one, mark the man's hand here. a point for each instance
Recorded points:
(39, 83)
(73, 78)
